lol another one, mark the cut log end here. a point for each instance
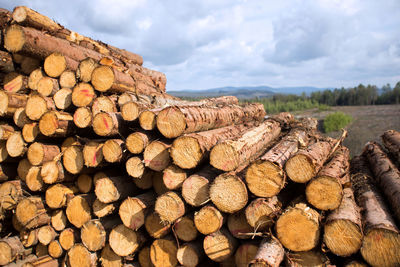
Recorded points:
(56, 196)
(265, 179)
(103, 124)
(85, 69)
(78, 211)
(108, 258)
(155, 227)
(54, 65)
(228, 193)
(343, 237)
(67, 79)
(132, 213)
(135, 142)
(83, 117)
(30, 212)
(381, 247)
(101, 209)
(156, 156)
(173, 177)
(186, 152)
(130, 111)
(79, 256)
(135, 167)
(224, 157)
(123, 240)
(219, 246)
(147, 120)
(73, 159)
(84, 183)
(63, 98)
(208, 220)
(67, 238)
(83, 95)
(196, 190)
(46, 234)
(163, 253)
(15, 145)
(171, 122)
(261, 212)
(14, 38)
(36, 106)
(34, 78)
(47, 86)
(170, 207)
(324, 193)
(55, 249)
(189, 255)
(298, 228)
(39, 153)
(300, 168)
(113, 150)
(102, 78)
(93, 235)
(30, 131)
(185, 229)
(245, 254)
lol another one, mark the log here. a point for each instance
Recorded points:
(170, 207)
(83, 117)
(38, 105)
(20, 118)
(325, 191)
(133, 210)
(8, 171)
(108, 79)
(14, 82)
(229, 155)
(41, 250)
(101, 209)
(155, 227)
(158, 183)
(70, 141)
(83, 95)
(163, 253)
(136, 142)
(29, 237)
(6, 131)
(114, 150)
(306, 258)
(46, 234)
(260, 213)
(298, 228)
(185, 229)
(11, 192)
(124, 241)
(130, 111)
(190, 254)
(148, 119)
(47, 86)
(53, 172)
(58, 195)
(220, 245)
(245, 254)
(63, 98)
(34, 78)
(29, 64)
(79, 256)
(386, 174)
(73, 159)
(68, 238)
(269, 253)
(85, 69)
(34, 180)
(31, 132)
(39, 153)
(108, 124)
(135, 167)
(10, 102)
(55, 249)
(175, 121)
(6, 62)
(31, 213)
(343, 229)
(56, 63)
(112, 188)
(3, 151)
(196, 188)
(156, 155)
(84, 182)
(67, 79)
(381, 242)
(10, 248)
(94, 233)
(173, 177)
(78, 210)
(144, 257)
(189, 150)
(108, 258)
(208, 220)
(23, 168)
(59, 220)
(266, 177)
(104, 104)
(145, 181)
(15, 145)
(391, 140)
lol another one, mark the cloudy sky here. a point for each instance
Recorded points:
(213, 43)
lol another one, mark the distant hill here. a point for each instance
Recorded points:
(246, 91)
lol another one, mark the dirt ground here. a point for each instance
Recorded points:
(369, 122)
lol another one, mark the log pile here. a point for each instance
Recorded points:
(100, 166)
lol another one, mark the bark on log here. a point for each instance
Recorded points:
(298, 228)
(11, 192)
(163, 253)
(6, 131)
(391, 140)
(133, 210)
(79, 210)
(260, 213)
(231, 154)
(220, 245)
(381, 242)
(175, 121)
(266, 177)
(269, 253)
(125, 241)
(79, 256)
(156, 155)
(170, 207)
(307, 162)
(10, 102)
(386, 174)
(185, 229)
(343, 230)
(325, 191)
(189, 150)
(31, 213)
(29, 64)
(10, 248)
(208, 220)
(39, 153)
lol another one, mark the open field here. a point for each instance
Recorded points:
(369, 122)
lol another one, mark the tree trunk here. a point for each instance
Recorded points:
(343, 230)
(39, 153)
(31, 213)
(269, 253)
(10, 248)
(381, 242)
(125, 241)
(175, 121)
(391, 140)
(220, 245)
(266, 177)
(386, 175)
(189, 150)
(79, 209)
(10, 102)
(156, 155)
(298, 228)
(79, 256)
(308, 161)
(163, 252)
(231, 154)
(208, 220)
(325, 191)
(133, 210)
(260, 213)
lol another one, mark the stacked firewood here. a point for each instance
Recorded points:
(98, 165)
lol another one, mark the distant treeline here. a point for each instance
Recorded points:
(356, 96)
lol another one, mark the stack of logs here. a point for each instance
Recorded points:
(100, 166)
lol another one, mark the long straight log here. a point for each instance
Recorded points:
(266, 176)
(386, 174)
(381, 242)
(177, 120)
(391, 140)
